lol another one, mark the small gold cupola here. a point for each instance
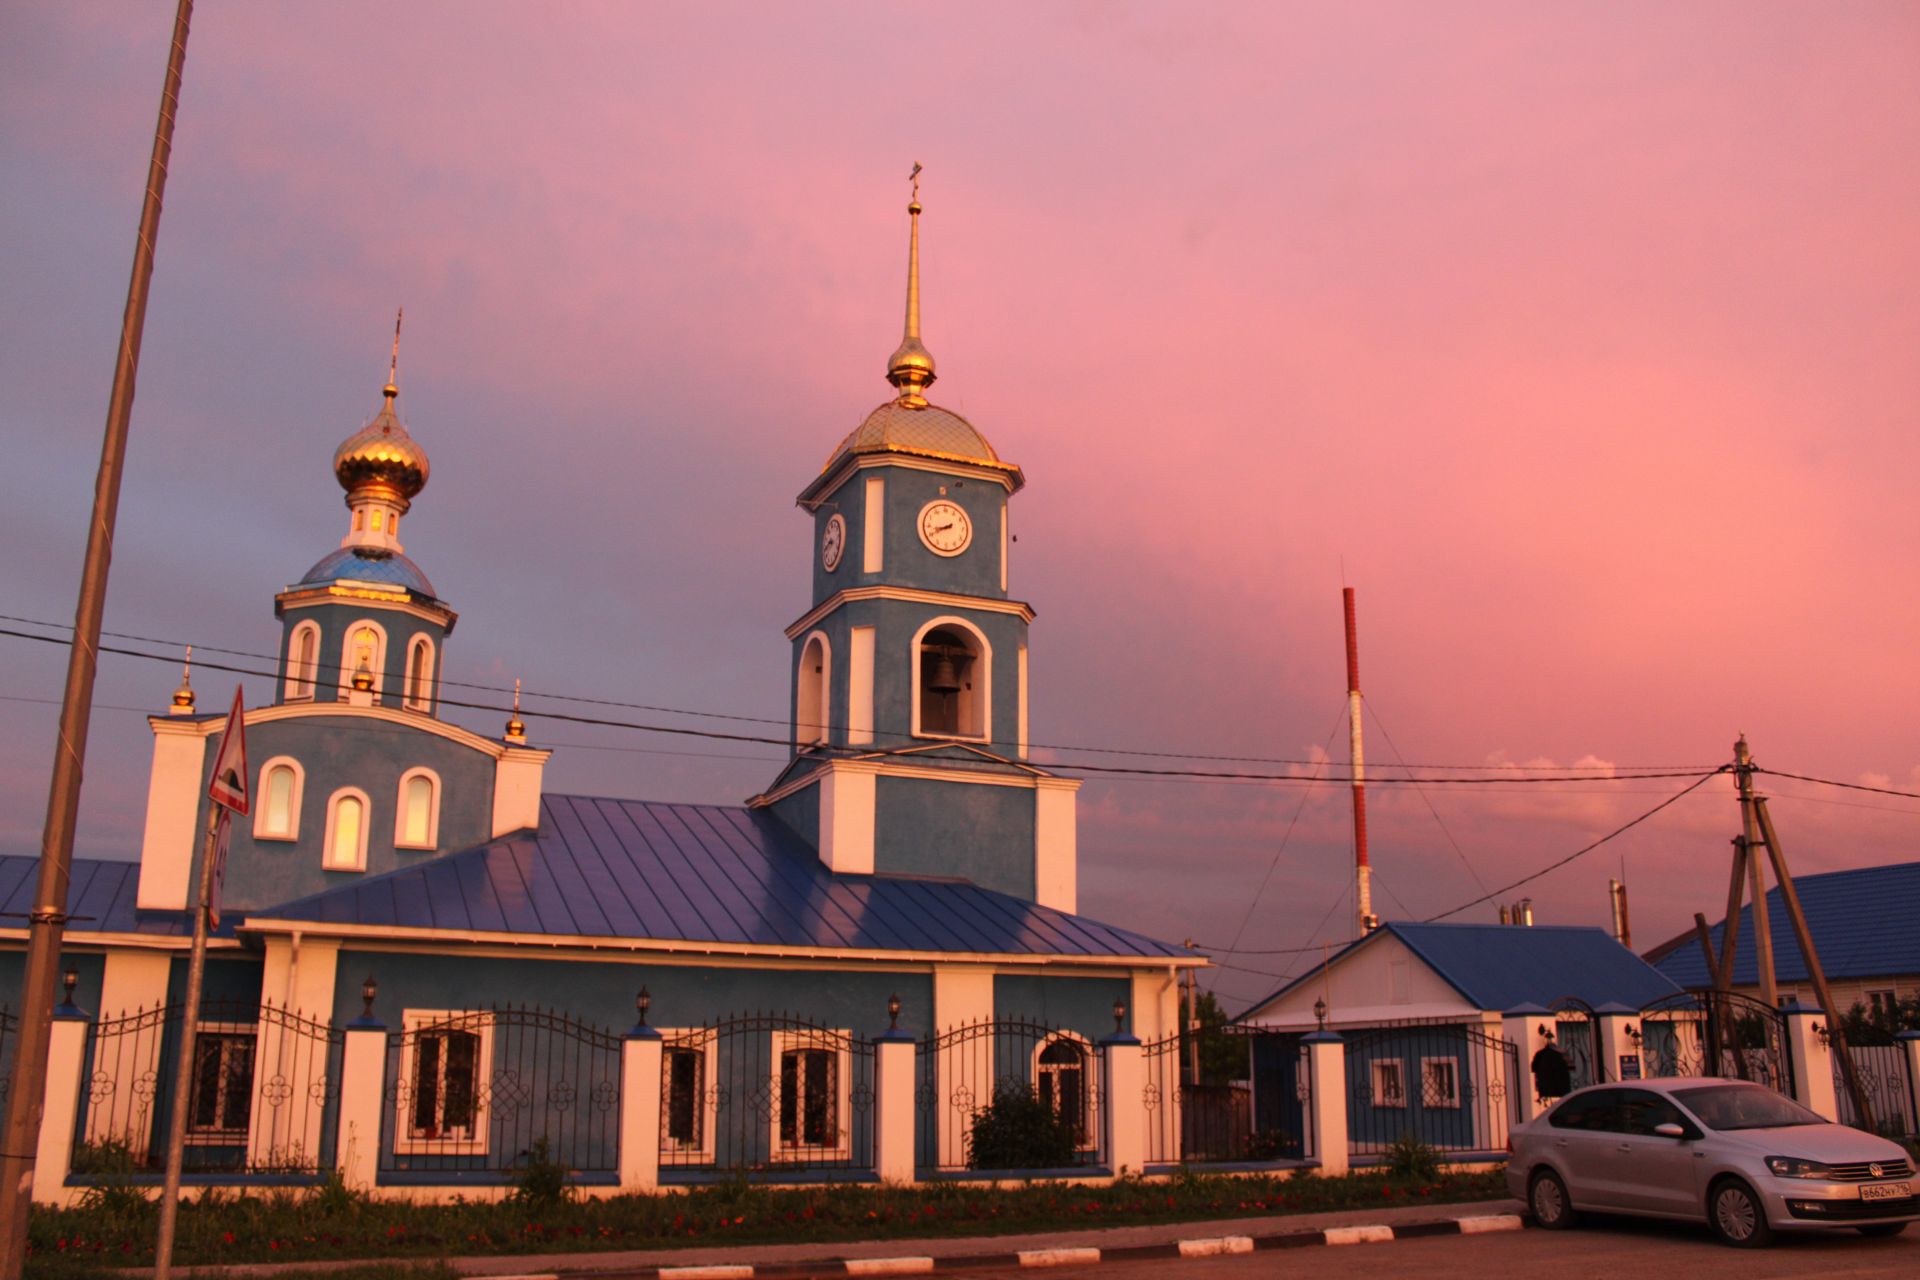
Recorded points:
(910, 367)
(382, 468)
(183, 696)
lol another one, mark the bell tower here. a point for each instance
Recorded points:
(909, 693)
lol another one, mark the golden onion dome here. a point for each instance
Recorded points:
(382, 453)
(928, 430)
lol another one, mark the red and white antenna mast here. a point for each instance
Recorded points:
(1363, 872)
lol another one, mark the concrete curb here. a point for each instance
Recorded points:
(1195, 1247)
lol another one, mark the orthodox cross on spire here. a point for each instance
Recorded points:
(910, 368)
(392, 388)
(183, 696)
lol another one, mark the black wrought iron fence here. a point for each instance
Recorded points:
(1882, 1064)
(1576, 1035)
(481, 1094)
(766, 1093)
(262, 1098)
(1454, 1086)
(1007, 1094)
(1220, 1122)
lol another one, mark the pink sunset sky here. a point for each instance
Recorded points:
(1583, 340)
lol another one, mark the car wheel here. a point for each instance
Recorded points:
(1547, 1197)
(1882, 1229)
(1737, 1216)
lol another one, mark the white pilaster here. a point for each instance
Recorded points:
(962, 994)
(363, 1070)
(173, 805)
(1056, 855)
(847, 799)
(860, 685)
(874, 536)
(893, 1088)
(1812, 1061)
(640, 1061)
(66, 1058)
(516, 789)
(1327, 1103)
(132, 980)
(1123, 1074)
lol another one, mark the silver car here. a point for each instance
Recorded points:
(1745, 1158)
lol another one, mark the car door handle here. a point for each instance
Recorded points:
(1625, 1146)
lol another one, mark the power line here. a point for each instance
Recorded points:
(1287, 835)
(1849, 786)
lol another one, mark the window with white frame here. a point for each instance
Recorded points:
(810, 1118)
(688, 1095)
(347, 818)
(1439, 1082)
(276, 814)
(416, 823)
(419, 695)
(1061, 1077)
(303, 657)
(952, 669)
(365, 651)
(221, 1093)
(1883, 1003)
(1389, 1082)
(444, 1057)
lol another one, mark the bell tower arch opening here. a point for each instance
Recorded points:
(813, 692)
(952, 681)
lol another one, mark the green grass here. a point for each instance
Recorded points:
(228, 1228)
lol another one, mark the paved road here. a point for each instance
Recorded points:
(1616, 1248)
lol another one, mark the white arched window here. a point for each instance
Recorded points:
(365, 649)
(276, 810)
(416, 822)
(347, 819)
(303, 657)
(419, 694)
(814, 691)
(1062, 1075)
(952, 681)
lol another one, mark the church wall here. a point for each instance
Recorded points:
(799, 812)
(982, 832)
(906, 562)
(13, 972)
(334, 619)
(1084, 1005)
(336, 753)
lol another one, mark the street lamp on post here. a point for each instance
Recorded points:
(893, 1012)
(71, 979)
(368, 990)
(641, 1003)
(1320, 1013)
(1119, 1016)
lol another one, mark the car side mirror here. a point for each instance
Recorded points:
(1669, 1130)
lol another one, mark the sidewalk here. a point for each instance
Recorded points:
(799, 1257)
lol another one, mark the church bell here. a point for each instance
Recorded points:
(945, 677)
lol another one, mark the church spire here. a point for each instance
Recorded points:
(910, 368)
(392, 388)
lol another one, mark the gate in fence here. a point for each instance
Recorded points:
(1227, 1120)
(1007, 1094)
(1717, 1033)
(765, 1092)
(1881, 1062)
(262, 1098)
(1454, 1086)
(479, 1094)
(1673, 1037)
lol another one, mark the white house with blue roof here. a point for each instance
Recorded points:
(909, 871)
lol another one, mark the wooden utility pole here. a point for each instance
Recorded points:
(20, 1140)
(1762, 927)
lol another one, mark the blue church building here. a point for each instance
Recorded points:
(909, 868)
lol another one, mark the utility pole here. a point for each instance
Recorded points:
(20, 1140)
(1362, 868)
(1749, 831)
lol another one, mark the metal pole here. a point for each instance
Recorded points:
(20, 1140)
(1762, 927)
(183, 1055)
(1363, 870)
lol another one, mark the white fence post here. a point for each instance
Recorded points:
(1123, 1072)
(1531, 1028)
(1327, 1101)
(641, 1056)
(1909, 1042)
(893, 1086)
(363, 1078)
(66, 1058)
(1619, 1052)
(1807, 1038)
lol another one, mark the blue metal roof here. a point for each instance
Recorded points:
(1862, 921)
(361, 565)
(101, 896)
(1502, 967)
(700, 873)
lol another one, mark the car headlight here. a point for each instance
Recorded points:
(1795, 1167)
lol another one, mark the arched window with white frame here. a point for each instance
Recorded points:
(348, 816)
(364, 650)
(276, 811)
(416, 822)
(303, 659)
(419, 690)
(814, 693)
(1062, 1080)
(952, 681)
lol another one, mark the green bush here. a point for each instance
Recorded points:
(541, 1181)
(1412, 1159)
(1019, 1131)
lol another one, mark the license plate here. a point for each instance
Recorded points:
(1886, 1191)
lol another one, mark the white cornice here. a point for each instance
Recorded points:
(894, 768)
(399, 600)
(1006, 475)
(341, 710)
(913, 595)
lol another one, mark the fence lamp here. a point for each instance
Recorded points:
(893, 1012)
(368, 990)
(1119, 1016)
(642, 1003)
(1821, 1034)
(72, 980)
(1320, 1013)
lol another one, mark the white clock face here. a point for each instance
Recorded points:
(944, 527)
(833, 543)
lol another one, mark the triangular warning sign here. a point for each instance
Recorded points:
(229, 784)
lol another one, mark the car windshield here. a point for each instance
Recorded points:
(1744, 1106)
